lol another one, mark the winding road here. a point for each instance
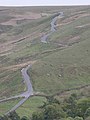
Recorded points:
(25, 75)
(24, 95)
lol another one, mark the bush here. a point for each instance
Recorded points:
(78, 118)
(82, 106)
(38, 115)
(24, 118)
(87, 113)
(54, 112)
(14, 116)
(70, 106)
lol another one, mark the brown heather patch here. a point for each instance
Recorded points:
(19, 66)
(83, 26)
(69, 40)
(5, 47)
(8, 46)
(27, 15)
(21, 38)
(71, 19)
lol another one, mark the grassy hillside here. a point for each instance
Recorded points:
(68, 67)
(61, 64)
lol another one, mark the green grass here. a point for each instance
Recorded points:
(30, 106)
(75, 60)
(10, 81)
(5, 107)
(65, 32)
(75, 71)
(57, 68)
